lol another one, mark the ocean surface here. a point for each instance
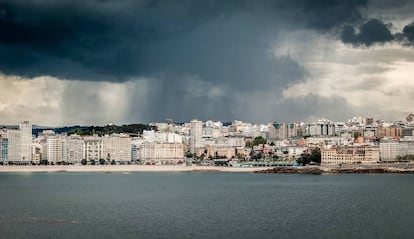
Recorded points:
(205, 205)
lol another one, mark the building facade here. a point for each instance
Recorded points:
(161, 153)
(196, 134)
(116, 147)
(92, 149)
(350, 154)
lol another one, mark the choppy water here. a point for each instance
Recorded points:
(205, 205)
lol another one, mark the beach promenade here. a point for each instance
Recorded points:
(127, 168)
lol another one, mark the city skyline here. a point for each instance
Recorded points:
(65, 63)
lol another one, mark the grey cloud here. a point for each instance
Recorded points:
(325, 15)
(113, 40)
(217, 44)
(375, 31)
(408, 34)
(372, 32)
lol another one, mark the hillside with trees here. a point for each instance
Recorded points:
(111, 129)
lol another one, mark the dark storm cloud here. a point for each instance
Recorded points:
(111, 40)
(327, 14)
(372, 32)
(179, 46)
(408, 34)
(375, 31)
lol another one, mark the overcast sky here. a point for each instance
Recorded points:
(92, 62)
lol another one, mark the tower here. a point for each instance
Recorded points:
(196, 132)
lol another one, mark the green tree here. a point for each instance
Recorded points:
(93, 161)
(113, 162)
(188, 154)
(259, 140)
(101, 161)
(304, 158)
(314, 156)
(84, 162)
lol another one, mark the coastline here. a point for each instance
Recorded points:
(125, 168)
(348, 169)
(317, 170)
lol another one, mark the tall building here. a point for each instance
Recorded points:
(196, 134)
(55, 150)
(26, 141)
(322, 127)
(74, 149)
(283, 131)
(92, 149)
(389, 150)
(14, 148)
(117, 147)
(3, 149)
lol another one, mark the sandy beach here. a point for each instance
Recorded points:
(126, 168)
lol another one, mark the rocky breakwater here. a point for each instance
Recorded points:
(371, 170)
(298, 170)
(323, 170)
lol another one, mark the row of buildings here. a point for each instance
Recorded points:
(18, 146)
(360, 140)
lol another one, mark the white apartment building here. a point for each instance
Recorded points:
(389, 150)
(236, 141)
(406, 147)
(26, 141)
(19, 149)
(196, 134)
(74, 150)
(116, 147)
(161, 153)
(296, 151)
(14, 146)
(162, 137)
(92, 148)
(37, 152)
(322, 127)
(282, 130)
(55, 149)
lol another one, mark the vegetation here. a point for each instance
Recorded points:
(408, 157)
(84, 162)
(188, 154)
(258, 140)
(102, 161)
(356, 135)
(314, 156)
(111, 129)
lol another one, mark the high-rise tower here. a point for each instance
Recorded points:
(196, 133)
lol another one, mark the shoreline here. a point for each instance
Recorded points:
(357, 169)
(124, 168)
(317, 170)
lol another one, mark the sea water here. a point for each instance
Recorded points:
(205, 205)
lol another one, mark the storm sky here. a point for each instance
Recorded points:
(92, 62)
